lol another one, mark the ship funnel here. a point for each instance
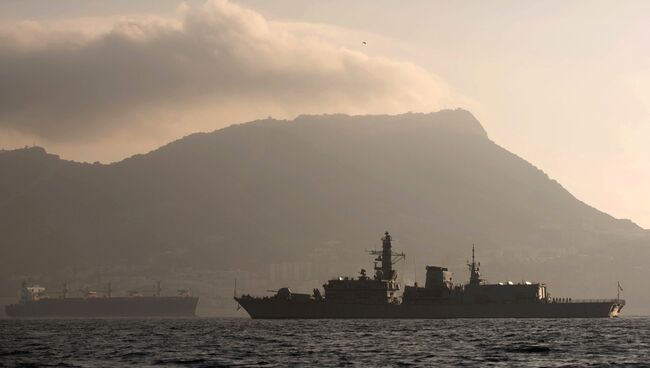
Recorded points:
(438, 277)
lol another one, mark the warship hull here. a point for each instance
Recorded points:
(259, 308)
(376, 297)
(172, 306)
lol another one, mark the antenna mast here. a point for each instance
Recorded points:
(415, 272)
(474, 274)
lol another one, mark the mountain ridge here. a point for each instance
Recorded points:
(315, 190)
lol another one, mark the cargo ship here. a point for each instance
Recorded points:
(35, 304)
(377, 297)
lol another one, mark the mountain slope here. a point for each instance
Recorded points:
(320, 190)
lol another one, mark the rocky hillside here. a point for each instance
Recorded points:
(318, 190)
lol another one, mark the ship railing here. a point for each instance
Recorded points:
(571, 300)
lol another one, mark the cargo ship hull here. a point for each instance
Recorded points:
(172, 306)
(270, 308)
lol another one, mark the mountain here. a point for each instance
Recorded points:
(270, 199)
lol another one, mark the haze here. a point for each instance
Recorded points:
(563, 84)
(274, 143)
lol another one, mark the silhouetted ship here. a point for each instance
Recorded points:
(375, 297)
(33, 303)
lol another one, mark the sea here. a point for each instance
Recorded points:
(236, 342)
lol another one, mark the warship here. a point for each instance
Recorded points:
(34, 303)
(376, 297)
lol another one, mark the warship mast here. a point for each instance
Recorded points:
(387, 257)
(474, 274)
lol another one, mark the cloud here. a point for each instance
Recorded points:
(153, 78)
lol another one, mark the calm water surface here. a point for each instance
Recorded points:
(331, 343)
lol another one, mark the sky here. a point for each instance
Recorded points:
(565, 85)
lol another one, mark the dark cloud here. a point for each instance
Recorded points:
(70, 82)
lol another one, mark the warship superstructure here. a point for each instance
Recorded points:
(376, 297)
(34, 303)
